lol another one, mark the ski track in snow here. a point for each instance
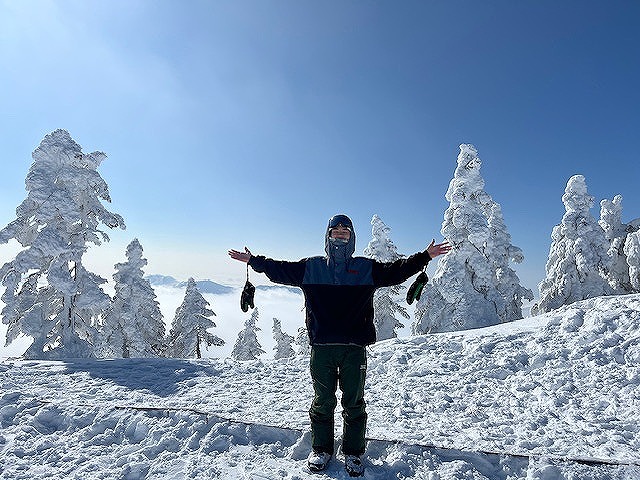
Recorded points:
(564, 384)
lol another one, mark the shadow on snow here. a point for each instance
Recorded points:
(159, 376)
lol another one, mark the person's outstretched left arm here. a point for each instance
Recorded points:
(394, 273)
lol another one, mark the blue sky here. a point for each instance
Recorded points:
(232, 123)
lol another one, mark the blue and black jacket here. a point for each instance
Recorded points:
(338, 289)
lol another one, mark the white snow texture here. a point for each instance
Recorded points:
(534, 391)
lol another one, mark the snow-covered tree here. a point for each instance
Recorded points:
(247, 346)
(133, 325)
(385, 306)
(283, 341)
(616, 234)
(473, 285)
(578, 265)
(381, 247)
(190, 324)
(33, 312)
(632, 253)
(501, 253)
(302, 342)
(49, 293)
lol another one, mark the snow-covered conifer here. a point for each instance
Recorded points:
(302, 342)
(381, 247)
(501, 253)
(33, 312)
(49, 294)
(283, 341)
(133, 325)
(578, 264)
(385, 306)
(247, 346)
(632, 253)
(616, 234)
(190, 324)
(473, 285)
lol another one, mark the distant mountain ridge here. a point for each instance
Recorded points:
(271, 288)
(204, 286)
(208, 286)
(161, 280)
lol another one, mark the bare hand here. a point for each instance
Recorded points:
(434, 249)
(241, 256)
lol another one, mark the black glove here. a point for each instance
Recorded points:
(246, 299)
(416, 287)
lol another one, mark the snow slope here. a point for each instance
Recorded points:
(563, 384)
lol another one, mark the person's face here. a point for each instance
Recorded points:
(340, 232)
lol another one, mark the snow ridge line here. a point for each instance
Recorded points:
(593, 461)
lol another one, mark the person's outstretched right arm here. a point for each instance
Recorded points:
(278, 271)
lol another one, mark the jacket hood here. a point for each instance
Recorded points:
(337, 251)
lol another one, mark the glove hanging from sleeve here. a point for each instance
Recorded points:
(246, 299)
(415, 290)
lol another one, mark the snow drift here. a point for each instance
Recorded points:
(536, 391)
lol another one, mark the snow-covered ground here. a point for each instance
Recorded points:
(534, 392)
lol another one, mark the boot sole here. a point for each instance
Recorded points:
(316, 468)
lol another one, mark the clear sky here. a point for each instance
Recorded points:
(232, 123)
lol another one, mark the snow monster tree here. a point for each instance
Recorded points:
(385, 306)
(247, 346)
(190, 324)
(133, 325)
(473, 285)
(49, 294)
(579, 265)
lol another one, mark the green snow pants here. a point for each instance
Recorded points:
(333, 365)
